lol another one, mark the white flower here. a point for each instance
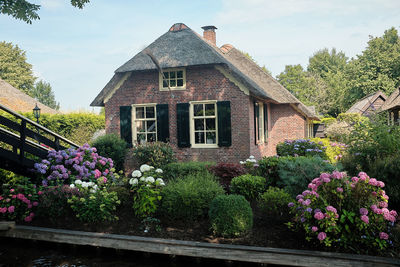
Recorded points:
(133, 181)
(78, 182)
(248, 160)
(159, 171)
(72, 186)
(90, 183)
(85, 185)
(148, 185)
(162, 184)
(241, 162)
(253, 160)
(151, 167)
(159, 180)
(142, 179)
(92, 191)
(150, 179)
(136, 173)
(144, 168)
(95, 187)
(251, 157)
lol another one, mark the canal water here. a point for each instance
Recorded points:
(23, 253)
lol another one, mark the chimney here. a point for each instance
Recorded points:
(209, 34)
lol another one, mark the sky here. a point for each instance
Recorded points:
(77, 51)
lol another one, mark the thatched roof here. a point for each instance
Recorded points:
(393, 101)
(362, 105)
(17, 100)
(182, 47)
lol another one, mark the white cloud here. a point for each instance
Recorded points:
(52, 4)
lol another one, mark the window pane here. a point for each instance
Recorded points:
(179, 82)
(141, 138)
(165, 84)
(151, 137)
(210, 109)
(140, 112)
(199, 137)
(151, 126)
(172, 74)
(179, 74)
(210, 124)
(141, 126)
(149, 112)
(199, 124)
(172, 83)
(198, 110)
(166, 75)
(211, 138)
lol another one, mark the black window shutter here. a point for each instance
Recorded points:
(256, 121)
(125, 116)
(224, 123)
(162, 123)
(183, 127)
(265, 122)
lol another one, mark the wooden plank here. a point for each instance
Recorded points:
(5, 226)
(10, 124)
(40, 138)
(198, 249)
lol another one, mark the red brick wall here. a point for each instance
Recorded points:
(202, 83)
(207, 83)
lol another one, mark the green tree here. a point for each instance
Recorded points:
(26, 11)
(324, 61)
(14, 69)
(44, 94)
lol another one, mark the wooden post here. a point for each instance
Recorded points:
(57, 143)
(22, 142)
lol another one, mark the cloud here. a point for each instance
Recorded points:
(52, 4)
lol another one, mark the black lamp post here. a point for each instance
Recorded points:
(36, 113)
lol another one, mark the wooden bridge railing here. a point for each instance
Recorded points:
(23, 142)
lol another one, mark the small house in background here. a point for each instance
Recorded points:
(369, 104)
(392, 105)
(18, 101)
(210, 103)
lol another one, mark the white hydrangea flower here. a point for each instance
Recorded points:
(159, 171)
(151, 167)
(85, 184)
(95, 187)
(148, 185)
(253, 160)
(142, 179)
(144, 168)
(72, 186)
(133, 181)
(150, 179)
(78, 182)
(90, 184)
(241, 162)
(136, 173)
(251, 157)
(92, 191)
(159, 180)
(248, 160)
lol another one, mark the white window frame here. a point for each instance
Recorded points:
(261, 126)
(192, 130)
(134, 119)
(310, 129)
(176, 87)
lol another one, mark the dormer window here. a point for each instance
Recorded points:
(174, 78)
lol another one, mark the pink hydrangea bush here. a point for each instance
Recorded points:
(19, 202)
(66, 166)
(344, 212)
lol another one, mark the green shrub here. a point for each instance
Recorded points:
(248, 186)
(189, 198)
(334, 151)
(274, 202)
(111, 146)
(8, 177)
(295, 173)
(155, 154)
(230, 215)
(123, 193)
(268, 168)
(183, 169)
(328, 121)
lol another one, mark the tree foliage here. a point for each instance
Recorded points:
(26, 11)
(14, 69)
(44, 94)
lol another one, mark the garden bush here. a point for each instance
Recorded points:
(227, 171)
(146, 185)
(344, 212)
(157, 154)
(18, 202)
(334, 151)
(230, 215)
(248, 186)
(268, 168)
(111, 146)
(273, 202)
(300, 147)
(65, 166)
(189, 198)
(183, 169)
(296, 172)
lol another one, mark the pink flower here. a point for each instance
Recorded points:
(39, 193)
(1, 198)
(14, 196)
(337, 175)
(373, 207)
(365, 219)
(381, 184)
(363, 211)
(12, 190)
(3, 210)
(383, 235)
(389, 217)
(383, 204)
(321, 236)
(324, 175)
(332, 209)
(11, 209)
(314, 228)
(373, 182)
(326, 180)
(97, 173)
(354, 179)
(339, 189)
(35, 204)
(307, 202)
(29, 206)
(319, 215)
(393, 213)
(28, 219)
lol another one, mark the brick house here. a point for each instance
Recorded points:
(210, 103)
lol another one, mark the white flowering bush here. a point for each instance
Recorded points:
(146, 184)
(250, 164)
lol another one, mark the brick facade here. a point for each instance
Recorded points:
(207, 83)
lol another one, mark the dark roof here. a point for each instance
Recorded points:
(362, 105)
(393, 100)
(17, 100)
(182, 47)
